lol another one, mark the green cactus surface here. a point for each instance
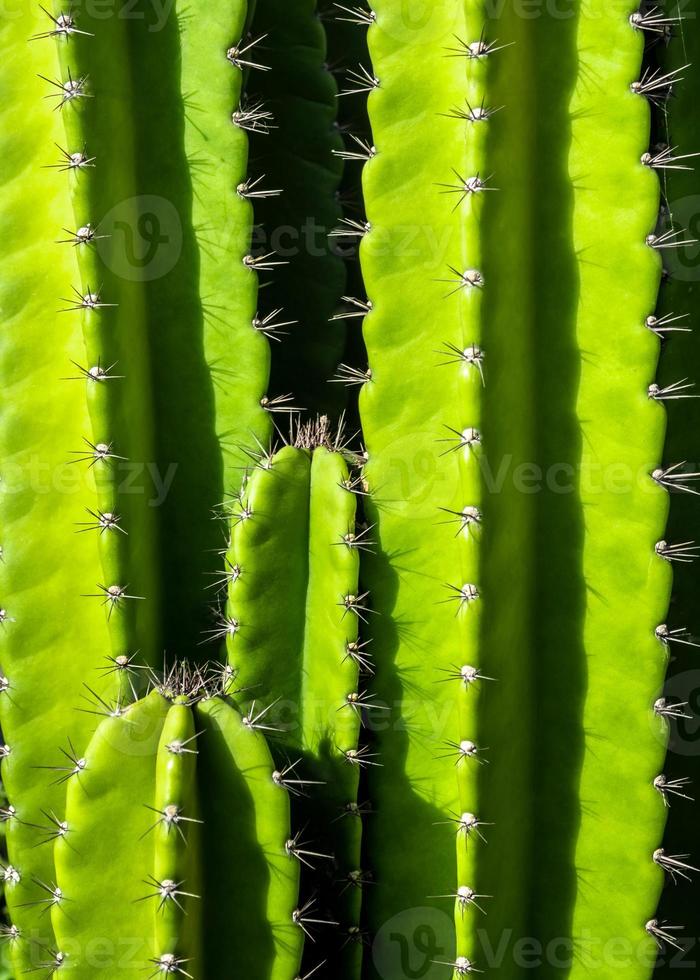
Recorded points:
(349, 489)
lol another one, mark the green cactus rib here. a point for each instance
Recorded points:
(678, 130)
(103, 922)
(145, 794)
(296, 156)
(49, 631)
(210, 359)
(623, 427)
(176, 930)
(421, 417)
(299, 669)
(247, 827)
(117, 381)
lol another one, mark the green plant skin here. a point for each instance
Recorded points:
(419, 791)
(296, 156)
(115, 920)
(246, 827)
(53, 632)
(680, 358)
(291, 653)
(201, 312)
(175, 854)
(103, 861)
(104, 196)
(628, 585)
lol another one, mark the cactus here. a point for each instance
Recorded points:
(341, 694)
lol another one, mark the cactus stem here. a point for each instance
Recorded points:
(359, 81)
(74, 88)
(356, 15)
(663, 934)
(64, 27)
(674, 864)
(298, 849)
(236, 53)
(672, 787)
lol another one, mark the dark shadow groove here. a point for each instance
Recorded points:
(533, 607)
(187, 451)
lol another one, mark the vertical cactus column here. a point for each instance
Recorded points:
(422, 261)
(49, 629)
(294, 612)
(296, 156)
(166, 903)
(623, 421)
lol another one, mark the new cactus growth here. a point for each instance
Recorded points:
(281, 699)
